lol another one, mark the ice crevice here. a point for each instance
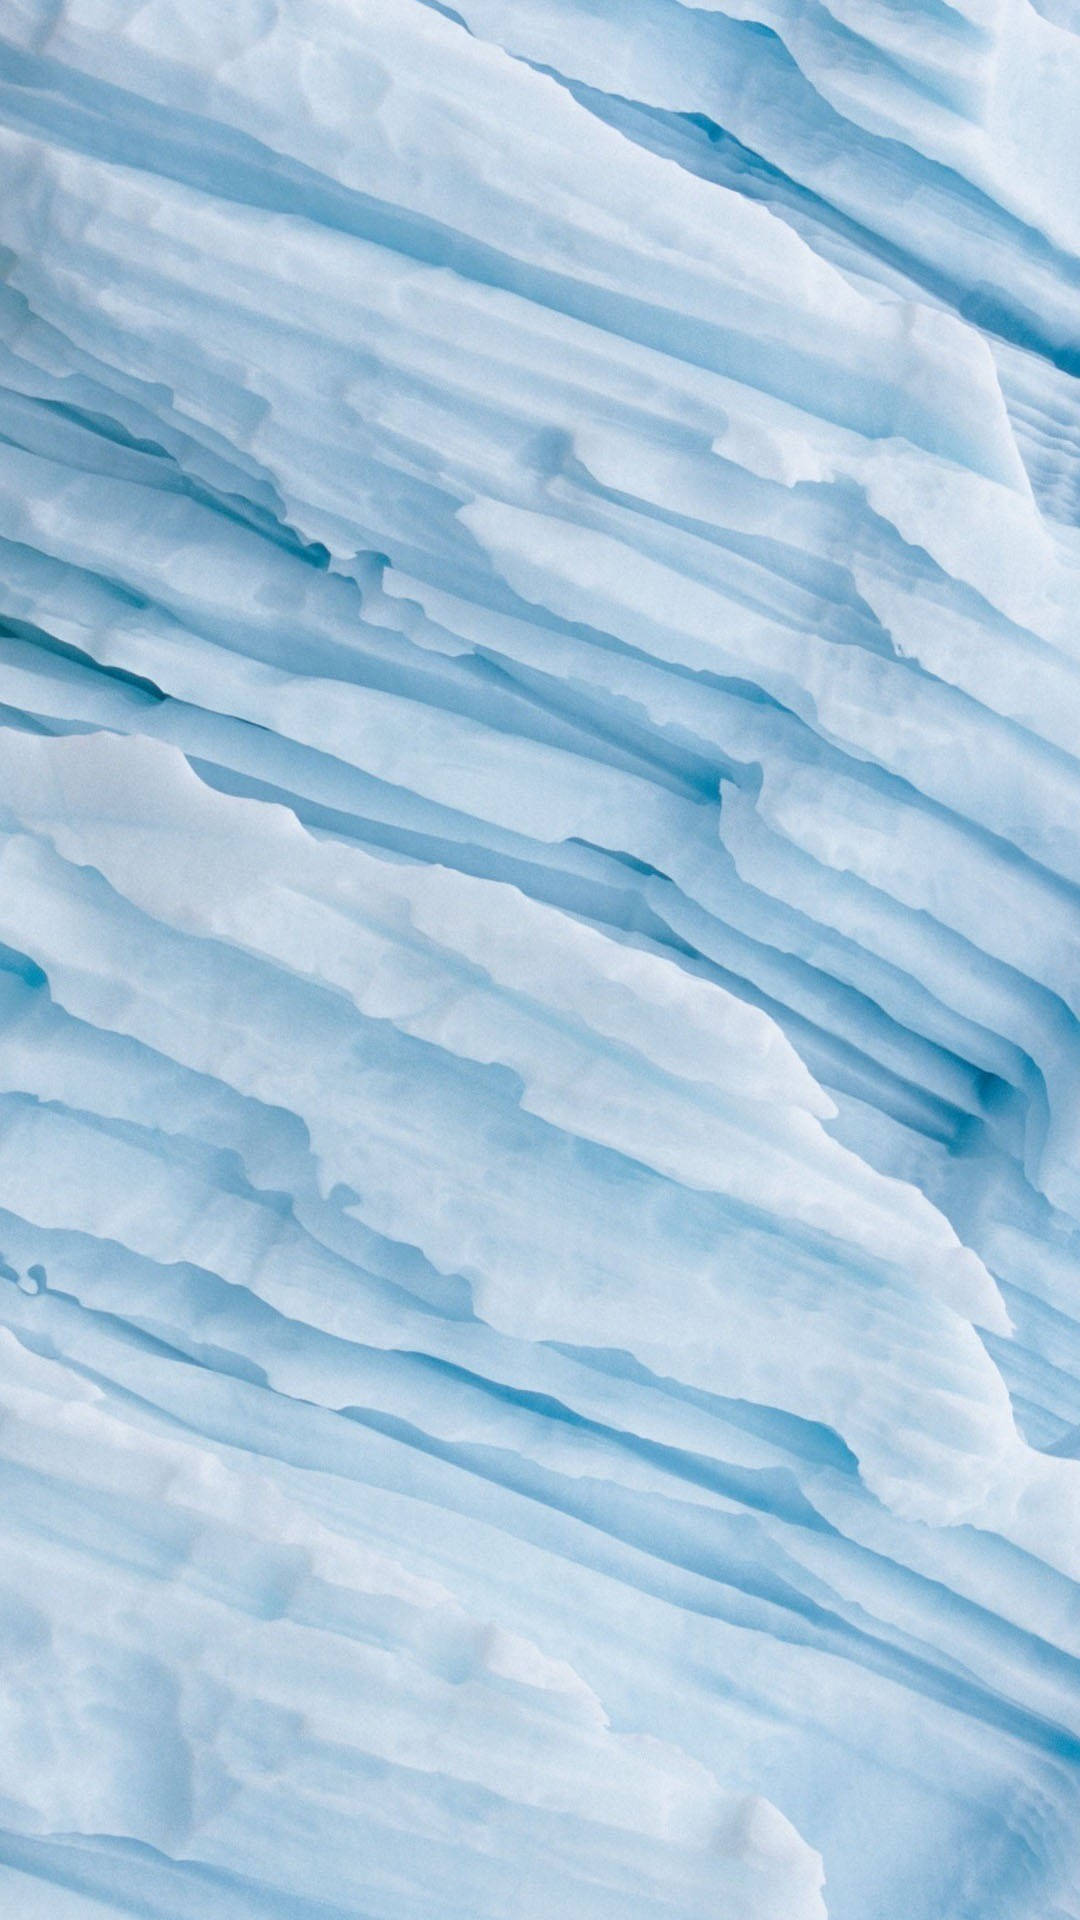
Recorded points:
(539, 960)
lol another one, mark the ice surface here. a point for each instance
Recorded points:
(539, 960)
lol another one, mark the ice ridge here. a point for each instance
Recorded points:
(540, 960)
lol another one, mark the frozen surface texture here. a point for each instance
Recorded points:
(540, 968)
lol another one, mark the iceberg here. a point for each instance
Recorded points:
(540, 960)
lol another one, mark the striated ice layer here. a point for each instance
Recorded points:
(539, 960)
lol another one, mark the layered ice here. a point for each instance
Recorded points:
(539, 960)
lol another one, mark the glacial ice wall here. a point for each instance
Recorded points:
(540, 968)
